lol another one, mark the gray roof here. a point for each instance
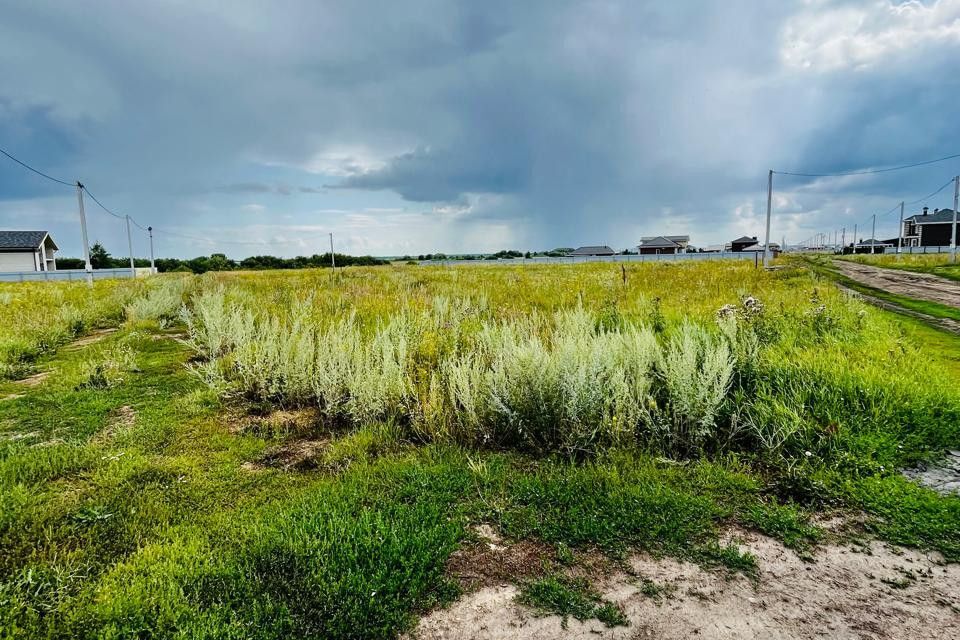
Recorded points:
(743, 239)
(659, 241)
(675, 239)
(22, 239)
(944, 215)
(599, 250)
(873, 243)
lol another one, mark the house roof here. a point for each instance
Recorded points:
(659, 241)
(598, 250)
(743, 239)
(23, 240)
(873, 243)
(676, 239)
(944, 215)
(756, 246)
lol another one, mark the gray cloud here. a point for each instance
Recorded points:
(536, 123)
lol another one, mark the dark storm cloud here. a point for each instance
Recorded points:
(553, 121)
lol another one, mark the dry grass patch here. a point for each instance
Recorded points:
(298, 455)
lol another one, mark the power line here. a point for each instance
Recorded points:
(927, 197)
(37, 171)
(100, 204)
(867, 171)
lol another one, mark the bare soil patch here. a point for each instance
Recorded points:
(90, 338)
(490, 562)
(921, 286)
(11, 396)
(282, 422)
(298, 455)
(35, 380)
(877, 592)
(120, 420)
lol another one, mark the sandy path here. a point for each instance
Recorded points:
(921, 286)
(880, 593)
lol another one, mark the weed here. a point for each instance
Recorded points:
(566, 597)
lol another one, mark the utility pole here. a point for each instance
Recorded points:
(133, 269)
(153, 267)
(953, 229)
(854, 238)
(834, 240)
(766, 242)
(843, 239)
(333, 261)
(900, 232)
(873, 236)
(83, 229)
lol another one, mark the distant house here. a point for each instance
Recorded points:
(27, 251)
(872, 246)
(593, 251)
(663, 244)
(758, 248)
(928, 229)
(742, 243)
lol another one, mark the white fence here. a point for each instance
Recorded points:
(70, 274)
(941, 249)
(755, 257)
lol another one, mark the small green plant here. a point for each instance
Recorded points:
(107, 367)
(654, 590)
(788, 523)
(566, 597)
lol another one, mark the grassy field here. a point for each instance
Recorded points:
(298, 454)
(938, 264)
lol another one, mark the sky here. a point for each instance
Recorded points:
(459, 126)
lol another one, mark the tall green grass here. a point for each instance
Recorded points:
(808, 378)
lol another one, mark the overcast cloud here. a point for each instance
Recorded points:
(410, 127)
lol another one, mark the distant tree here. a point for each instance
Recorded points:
(70, 263)
(99, 257)
(527, 255)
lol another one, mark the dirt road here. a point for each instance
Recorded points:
(920, 286)
(871, 593)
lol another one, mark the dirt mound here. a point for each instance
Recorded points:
(879, 593)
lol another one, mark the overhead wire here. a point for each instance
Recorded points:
(927, 197)
(242, 242)
(867, 171)
(37, 171)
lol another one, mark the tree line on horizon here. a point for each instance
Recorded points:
(100, 258)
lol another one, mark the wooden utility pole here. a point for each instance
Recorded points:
(333, 262)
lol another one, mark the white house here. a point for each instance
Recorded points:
(27, 251)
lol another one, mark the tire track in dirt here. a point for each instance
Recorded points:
(920, 286)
